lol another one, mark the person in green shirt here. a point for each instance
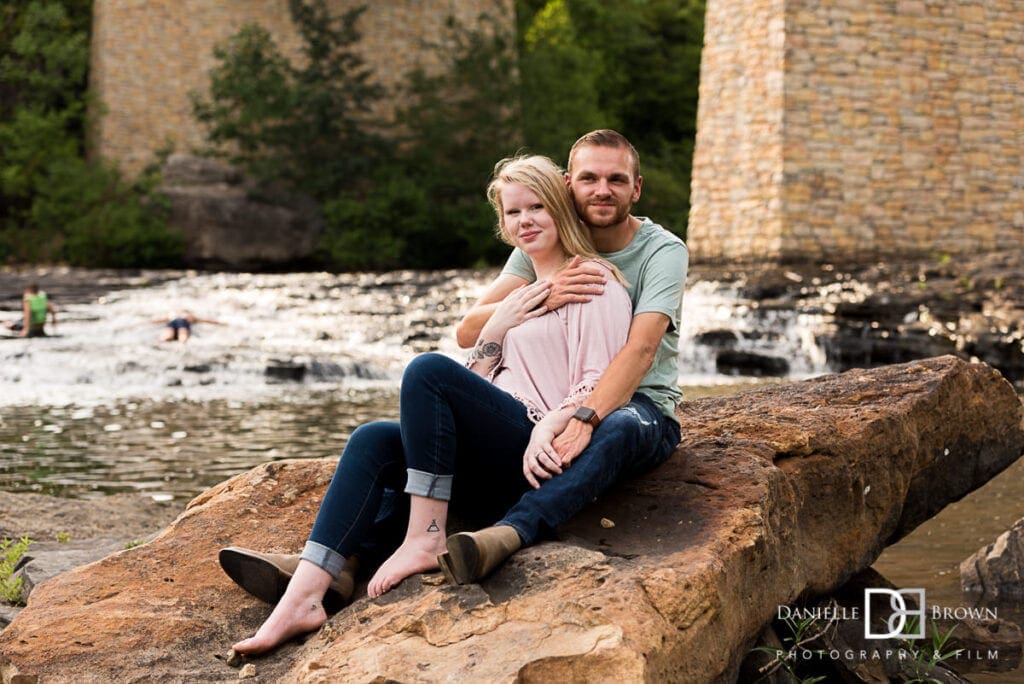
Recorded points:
(35, 306)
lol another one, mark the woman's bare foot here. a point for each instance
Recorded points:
(288, 620)
(413, 556)
(299, 611)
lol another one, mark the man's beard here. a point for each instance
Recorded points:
(603, 221)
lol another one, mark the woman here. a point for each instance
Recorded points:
(492, 424)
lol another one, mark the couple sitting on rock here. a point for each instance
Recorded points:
(570, 387)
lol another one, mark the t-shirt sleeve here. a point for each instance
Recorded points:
(519, 265)
(662, 280)
(597, 331)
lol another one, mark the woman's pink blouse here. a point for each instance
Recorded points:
(556, 359)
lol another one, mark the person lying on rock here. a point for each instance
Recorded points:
(178, 326)
(478, 435)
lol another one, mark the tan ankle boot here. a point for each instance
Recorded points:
(266, 575)
(473, 555)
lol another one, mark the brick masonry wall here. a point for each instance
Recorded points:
(149, 55)
(901, 130)
(737, 164)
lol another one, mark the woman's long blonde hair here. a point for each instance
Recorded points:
(546, 180)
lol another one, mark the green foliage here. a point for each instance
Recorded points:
(45, 55)
(63, 537)
(801, 633)
(924, 661)
(54, 205)
(632, 65)
(309, 127)
(104, 221)
(409, 193)
(10, 553)
(373, 232)
(457, 124)
(559, 83)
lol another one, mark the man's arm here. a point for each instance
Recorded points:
(468, 330)
(575, 283)
(53, 315)
(617, 384)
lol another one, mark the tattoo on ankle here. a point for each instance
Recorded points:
(432, 527)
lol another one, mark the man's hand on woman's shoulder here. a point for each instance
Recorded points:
(578, 282)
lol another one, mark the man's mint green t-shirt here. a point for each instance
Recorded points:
(654, 264)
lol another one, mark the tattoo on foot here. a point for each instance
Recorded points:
(433, 526)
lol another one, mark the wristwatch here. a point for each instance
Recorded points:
(587, 415)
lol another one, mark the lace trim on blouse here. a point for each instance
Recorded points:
(578, 394)
(532, 412)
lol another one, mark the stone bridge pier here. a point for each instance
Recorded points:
(857, 129)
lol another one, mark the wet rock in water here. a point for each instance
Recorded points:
(197, 368)
(858, 345)
(1005, 351)
(285, 370)
(717, 338)
(704, 550)
(735, 362)
(996, 572)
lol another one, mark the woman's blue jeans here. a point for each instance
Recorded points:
(462, 439)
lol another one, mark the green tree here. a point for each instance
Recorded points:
(54, 205)
(459, 122)
(425, 206)
(558, 88)
(310, 126)
(650, 72)
(632, 65)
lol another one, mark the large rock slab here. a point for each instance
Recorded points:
(774, 494)
(226, 220)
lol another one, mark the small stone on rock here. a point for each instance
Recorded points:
(607, 524)
(247, 672)
(234, 658)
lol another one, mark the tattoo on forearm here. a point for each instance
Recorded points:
(432, 527)
(484, 350)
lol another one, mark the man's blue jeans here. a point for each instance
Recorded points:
(460, 438)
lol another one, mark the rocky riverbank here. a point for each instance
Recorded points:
(67, 533)
(775, 495)
(891, 312)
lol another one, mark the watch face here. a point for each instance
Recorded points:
(586, 414)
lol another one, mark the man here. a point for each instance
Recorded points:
(35, 306)
(628, 423)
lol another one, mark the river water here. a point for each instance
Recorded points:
(103, 407)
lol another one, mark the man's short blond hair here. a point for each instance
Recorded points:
(606, 137)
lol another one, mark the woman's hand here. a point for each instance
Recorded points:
(540, 461)
(519, 306)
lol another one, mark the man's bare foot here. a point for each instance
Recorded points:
(413, 556)
(291, 617)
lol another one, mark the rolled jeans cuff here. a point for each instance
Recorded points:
(325, 558)
(421, 483)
